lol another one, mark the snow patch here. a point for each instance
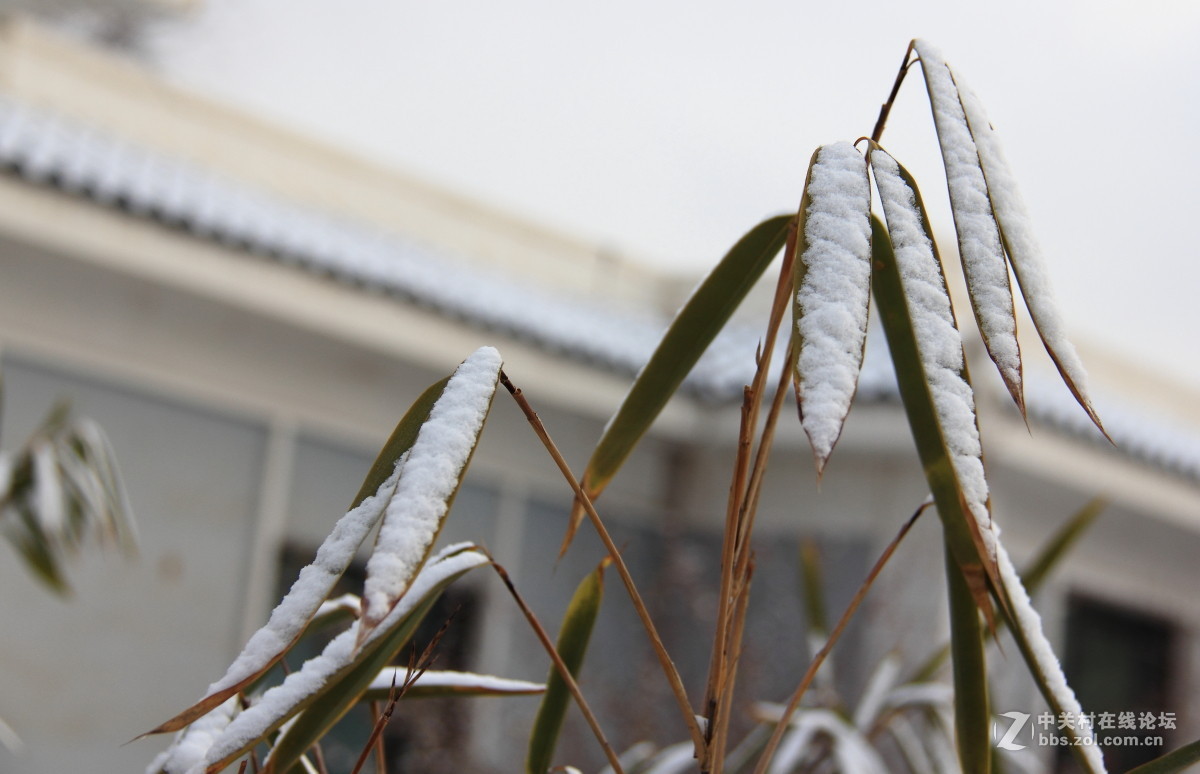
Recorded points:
(428, 479)
(978, 236)
(833, 294)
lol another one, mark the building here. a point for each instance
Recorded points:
(248, 313)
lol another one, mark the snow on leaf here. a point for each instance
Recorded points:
(938, 341)
(1023, 248)
(429, 479)
(446, 683)
(1027, 625)
(186, 753)
(978, 234)
(832, 291)
(283, 701)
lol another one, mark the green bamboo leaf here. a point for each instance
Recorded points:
(814, 591)
(328, 685)
(1063, 539)
(832, 281)
(289, 619)
(435, 684)
(972, 716)
(1173, 762)
(572, 644)
(689, 335)
(931, 371)
(980, 246)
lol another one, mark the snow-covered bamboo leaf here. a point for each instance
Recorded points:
(972, 712)
(325, 687)
(1026, 626)
(430, 476)
(294, 612)
(573, 638)
(689, 335)
(931, 371)
(980, 248)
(1023, 249)
(1173, 762)
(433, 684)
(832, 278)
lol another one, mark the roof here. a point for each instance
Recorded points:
(78, 160)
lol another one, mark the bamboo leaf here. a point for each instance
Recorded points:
(689, 335)
(1173, 762)
(972, 717)
(433, 684)
(430, 477)
(1043, 665)
(326, 686)
(1063, 539)
(931, 371)
(1023, 250)
(979, 244)
(292, 615)
(814, 589)
(573, 638)
(832, 277)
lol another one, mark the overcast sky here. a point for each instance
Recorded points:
(665, 129)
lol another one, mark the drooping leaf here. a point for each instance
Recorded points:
(573, 638)
(324, 688)
(832, 277)
(430, 477)
(435, 684)
(292, 615)
(689, 335)
(931, 371)
(1023, 250)
(979, 244)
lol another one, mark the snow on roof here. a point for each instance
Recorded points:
(79, 160)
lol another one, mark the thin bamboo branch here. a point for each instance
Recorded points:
(886, 109)
(563, 671)
(736, 535)
(664, 658)
(825, 650)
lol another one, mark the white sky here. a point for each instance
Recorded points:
(666, 129)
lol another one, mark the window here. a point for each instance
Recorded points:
(1120, 661)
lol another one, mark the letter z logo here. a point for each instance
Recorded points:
(1005, 741)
